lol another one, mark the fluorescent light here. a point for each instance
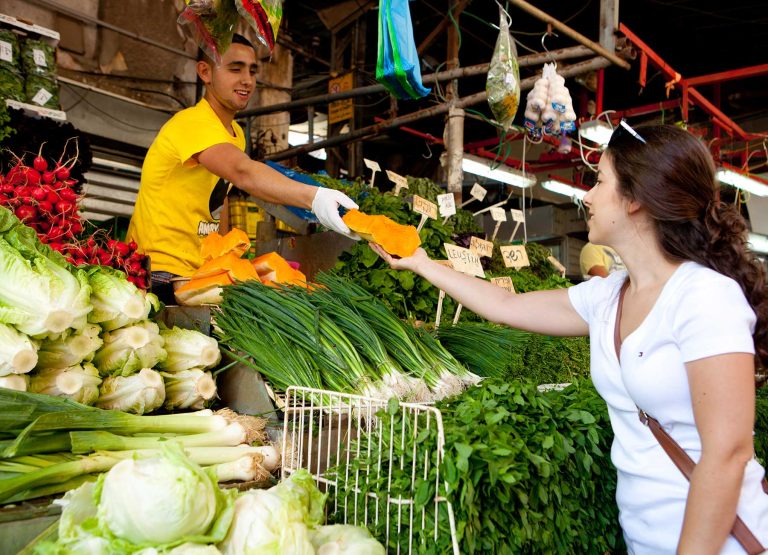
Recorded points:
(505, 174)
(565, 189)
(296, 138)
(741, 180)
(758, 243)
(597, 131)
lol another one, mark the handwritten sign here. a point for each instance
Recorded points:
(424, 207)
(464, 260)
(447, 204)
(556, 263)
(505, 282)
(6, 51)
(478, 191)
(399, 181)
(439, 313)
(374, 167)
(515, 256)
(517, 215)
(481, 247)
(498, 214)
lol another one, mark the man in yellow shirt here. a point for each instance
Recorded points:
(598, 260)
(182, 179)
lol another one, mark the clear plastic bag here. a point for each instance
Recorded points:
(264, 17)
(503, 83)
(212, 24)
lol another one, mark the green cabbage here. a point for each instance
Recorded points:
(70, 350)
(189, 349)
(39, 297)
(127, 350)
(188, 389)
(341, 539)
(138, 393)
(116, 301)
(162, 502)
(79, 383)
(277, 520)
(18, 354)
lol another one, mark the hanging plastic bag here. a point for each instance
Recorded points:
(549, 107)
(503, 83)
(264, 17)
(212, 24)
(397, 66)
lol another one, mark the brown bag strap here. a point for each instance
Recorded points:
(682, 460)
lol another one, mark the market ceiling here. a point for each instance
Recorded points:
(694, 37)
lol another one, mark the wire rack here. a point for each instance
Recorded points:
(378, 460)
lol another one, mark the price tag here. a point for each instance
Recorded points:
(505, 282)
(439, 313)
(478, 191)
(399, 181)
(424, 207)
(481, 247)
(447, 204)
(42, 97)
(6, 51)
(374, 167)
(515, 256)
(464, 260)
(517, 215)
(498, 214)
(39, 57)
(556, 263)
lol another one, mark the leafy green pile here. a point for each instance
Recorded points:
(761, 425)
(526, 472)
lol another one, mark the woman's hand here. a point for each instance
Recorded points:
(411, 263)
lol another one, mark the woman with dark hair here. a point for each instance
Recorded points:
(679, 334)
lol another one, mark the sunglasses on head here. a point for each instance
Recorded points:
(625, 129)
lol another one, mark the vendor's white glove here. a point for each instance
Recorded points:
(326, 207)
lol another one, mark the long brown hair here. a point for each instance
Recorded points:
(672, 175)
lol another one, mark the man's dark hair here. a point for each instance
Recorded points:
(236, 39)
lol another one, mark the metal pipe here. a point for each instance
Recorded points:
(575, 35)
(712, 78)
(371, 130)
(55, 6)
(468, 71)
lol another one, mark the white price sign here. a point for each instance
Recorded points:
(478, 192)
(515, 256)
(505, 282)
(517, 215)
(481, 246)
(498, 214)
(39, 57)
(399, 181)
(42, 97)
(464, 260)
(374, 167)
(424, 207)
(6, 51)
(447, 204)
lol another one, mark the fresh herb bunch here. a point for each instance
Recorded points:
(526, 472)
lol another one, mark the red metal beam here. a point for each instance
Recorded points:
(692, 93)
(647, 109)
(712, 78)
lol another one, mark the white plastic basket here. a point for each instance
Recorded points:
(358, 459)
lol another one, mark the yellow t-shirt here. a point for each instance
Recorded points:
(598, 255)
(173, 207)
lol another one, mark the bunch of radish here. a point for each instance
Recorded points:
(45, 198)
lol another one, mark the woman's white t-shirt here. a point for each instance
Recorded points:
(699, 313)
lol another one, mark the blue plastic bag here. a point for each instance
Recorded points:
(397, 66)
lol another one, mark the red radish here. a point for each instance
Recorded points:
(133, 246)
(62, 173)
(133, 268)
(39, 162)
(33, 176)
(45, 207)
(3, 198)
(65, 207)
(22, 191)
(7, 189)
(48, 177)
(53, 197)
(106, 259)
(76, 227)
(55, 245)
(26, 212)
(43, 226)
(39, 194)
(68, 195)
(122, 249)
